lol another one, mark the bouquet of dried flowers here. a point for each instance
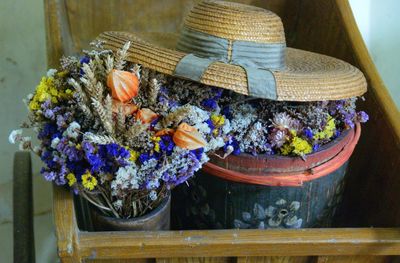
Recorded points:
(108, 132)
(122, 136)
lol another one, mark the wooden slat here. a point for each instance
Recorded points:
(275, 260)
(66, 227)
(195, 260)
(135, 260)
(353, 259)
(231, 243)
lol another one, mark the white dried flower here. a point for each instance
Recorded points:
(153, 195)
(37, 149)
(73, 130)
(55, 142)
(283, 121)
(25, 143)
(51, 72)
(118, 204)
(15, 136)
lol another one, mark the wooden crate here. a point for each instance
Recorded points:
(372, 194)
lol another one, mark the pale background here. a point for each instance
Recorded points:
(23, 62)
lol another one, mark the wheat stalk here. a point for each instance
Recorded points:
(121, 56)
(120, 121)
(175, 117)
(135, 130)
(154, 88)
(98, 139)
(103, 115)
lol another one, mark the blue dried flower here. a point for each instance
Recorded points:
(198, 153)
(235, 144)
(316, 147)
(78, 168)
(95, 161)
(166, 144)
(217, 92)
(83, 60)
(308, 133)
(49, 130)
(145, 157)
(87, 147)
(111, 149)
(226, 111)
(210, 125)
(209, 104)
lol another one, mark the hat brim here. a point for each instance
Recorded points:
(308, 76)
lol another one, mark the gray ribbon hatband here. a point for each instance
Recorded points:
(257, 59)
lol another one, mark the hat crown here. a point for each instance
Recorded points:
(234, 21)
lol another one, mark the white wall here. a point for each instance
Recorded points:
(379, 23)
(22, 63)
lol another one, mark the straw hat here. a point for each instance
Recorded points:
(241, 48)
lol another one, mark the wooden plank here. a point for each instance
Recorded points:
(195, 260)
(353, 259)
(66, 228)
(275, 260)
(135, 260)
(232, 243)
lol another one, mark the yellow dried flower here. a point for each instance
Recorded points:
(134, 155)
(71, 179)
(46, 90)
(328, 131)
(218, 120)
(286, 149)
(89, 181)
(300, 146)
(297, 146)
(156, 140)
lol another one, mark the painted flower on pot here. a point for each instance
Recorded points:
(124, 85)
(282, 215)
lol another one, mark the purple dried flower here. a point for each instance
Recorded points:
(49, 175)
(362, 117)
(198, 153)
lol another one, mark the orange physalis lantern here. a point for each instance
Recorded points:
(124, 85)
(188, 137)
(146, 115)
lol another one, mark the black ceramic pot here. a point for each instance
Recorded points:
(157, 219)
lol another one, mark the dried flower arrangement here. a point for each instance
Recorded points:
(122, 136)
